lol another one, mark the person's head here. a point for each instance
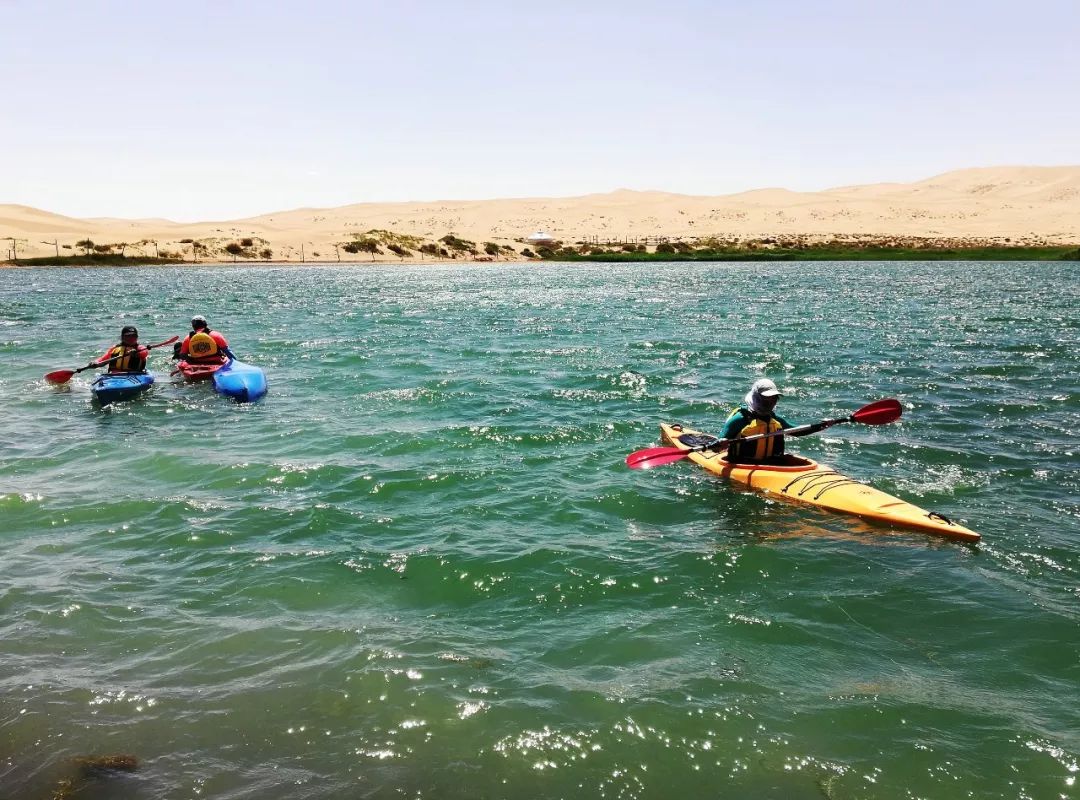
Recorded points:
(763, 396)
(198, 323)
(129, 334)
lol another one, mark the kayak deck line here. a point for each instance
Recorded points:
(830, 480)
(804, 480)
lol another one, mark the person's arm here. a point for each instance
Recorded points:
(783, 422)
(223, 344)
(817, 427)
(97, 362)
(733, 427)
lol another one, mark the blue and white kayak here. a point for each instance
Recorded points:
(244, 383)
(113, 386)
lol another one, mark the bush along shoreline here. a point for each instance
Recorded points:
(830, 251)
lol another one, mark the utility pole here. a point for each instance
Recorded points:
(55, 244)
(336, 250)
(301, 252)
(15, 246)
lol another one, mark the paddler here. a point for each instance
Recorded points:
(756, 416)
(132, 355)
(203, 345)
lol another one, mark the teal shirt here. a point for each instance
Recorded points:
(739, 419)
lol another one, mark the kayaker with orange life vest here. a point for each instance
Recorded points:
(203, 345)
(757, 416)
(132, 354)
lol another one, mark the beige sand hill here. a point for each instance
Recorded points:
(1020, 204)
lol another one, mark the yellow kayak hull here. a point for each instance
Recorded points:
(806, 481)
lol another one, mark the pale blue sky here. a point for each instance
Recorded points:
(204, 110)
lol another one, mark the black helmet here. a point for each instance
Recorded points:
(129, 330)
(199, 321)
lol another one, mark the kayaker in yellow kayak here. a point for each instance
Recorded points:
(757, 416)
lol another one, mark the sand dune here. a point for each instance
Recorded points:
(1019, 204)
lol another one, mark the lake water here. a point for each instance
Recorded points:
(421, 569)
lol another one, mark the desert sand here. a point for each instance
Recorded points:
(1017, 205)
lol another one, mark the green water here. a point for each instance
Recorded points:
(420, 568)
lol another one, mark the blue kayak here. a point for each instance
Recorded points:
(244, 383)
(113, 386)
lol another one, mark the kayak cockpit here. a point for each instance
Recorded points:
(784, 463)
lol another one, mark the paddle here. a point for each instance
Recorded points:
(65, 375)
(881, 412)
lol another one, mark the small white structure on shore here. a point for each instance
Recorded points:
(540, 238)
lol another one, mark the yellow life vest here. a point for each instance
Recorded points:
(762, 448)
(201, 346)
(131, 360)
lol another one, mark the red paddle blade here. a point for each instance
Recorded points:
(655, 457)
(60, 376)
(880, 413)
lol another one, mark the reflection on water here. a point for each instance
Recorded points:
(421, 568)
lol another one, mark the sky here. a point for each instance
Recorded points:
(220, 110)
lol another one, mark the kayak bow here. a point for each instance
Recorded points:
(244, 383)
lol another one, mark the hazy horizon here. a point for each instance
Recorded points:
(226, 112)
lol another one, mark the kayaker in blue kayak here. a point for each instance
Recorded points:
(132, 354)
(757, 416)
(203, 345)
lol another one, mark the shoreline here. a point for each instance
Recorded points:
(827, 252)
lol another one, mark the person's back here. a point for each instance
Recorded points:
(756, 417)
(203, 345)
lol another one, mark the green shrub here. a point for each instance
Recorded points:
(459, 245)
(664, 247)
(247, 243)
(368, 246)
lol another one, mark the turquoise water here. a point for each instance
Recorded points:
(420, 568)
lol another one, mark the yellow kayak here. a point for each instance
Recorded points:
(807, 481)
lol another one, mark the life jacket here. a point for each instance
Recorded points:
(132, 359)
(762, 449)
(202, 348)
